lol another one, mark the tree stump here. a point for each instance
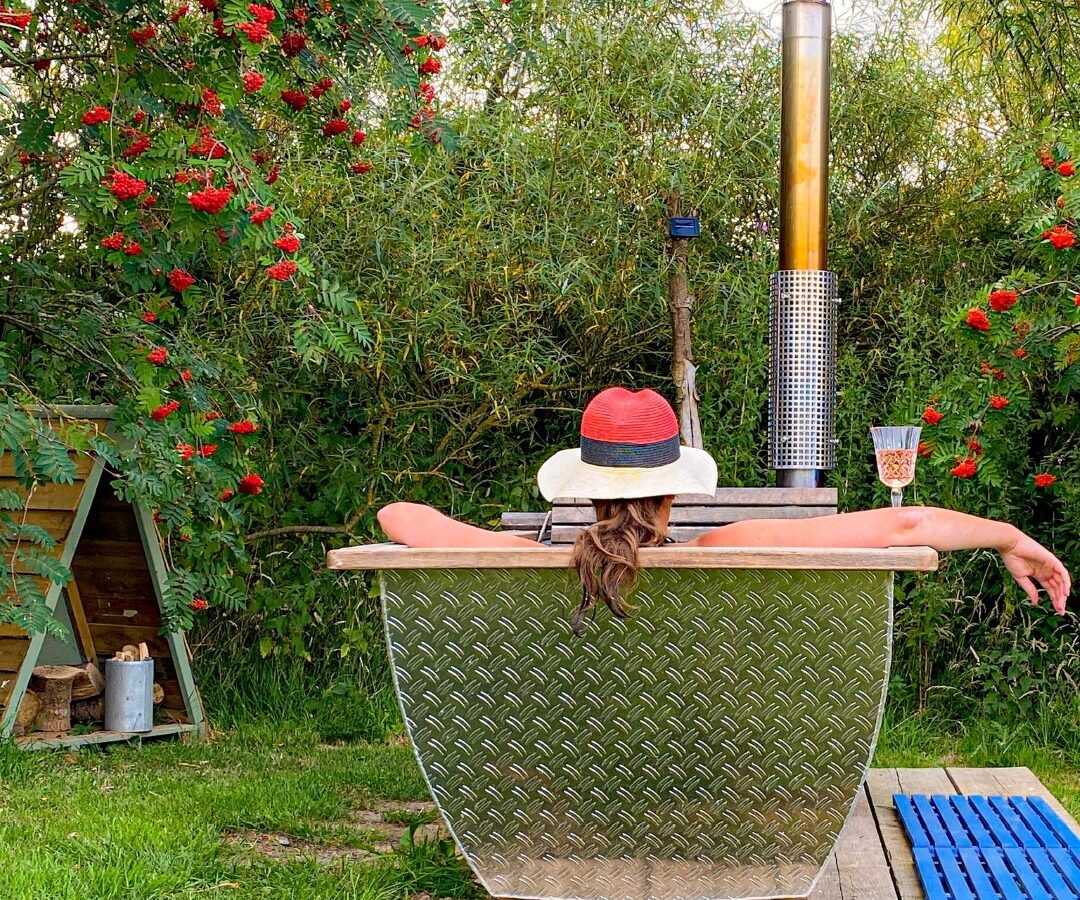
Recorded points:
(53, 684)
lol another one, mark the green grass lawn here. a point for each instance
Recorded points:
(258, 812)
(271, 811)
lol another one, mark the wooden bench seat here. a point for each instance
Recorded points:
(691, 514)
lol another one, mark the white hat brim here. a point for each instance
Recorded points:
(565, 475)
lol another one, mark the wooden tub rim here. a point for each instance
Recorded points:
(371, 557)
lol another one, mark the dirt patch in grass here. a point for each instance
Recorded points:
(286, 847)
(386, 824)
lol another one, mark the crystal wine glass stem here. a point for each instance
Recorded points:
(896, 494)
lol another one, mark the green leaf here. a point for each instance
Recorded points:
(36, 128)
(41, 564)
(51, 459)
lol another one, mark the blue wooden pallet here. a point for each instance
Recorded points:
(985, 848)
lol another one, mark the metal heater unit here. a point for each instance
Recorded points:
(802, 295)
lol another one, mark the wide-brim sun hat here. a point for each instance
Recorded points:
(629, 449)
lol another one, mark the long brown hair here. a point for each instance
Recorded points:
(606, 554)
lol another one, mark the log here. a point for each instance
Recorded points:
(29, 710)
(86, 712)
(53, 685)
(88, 683)
(159, 694)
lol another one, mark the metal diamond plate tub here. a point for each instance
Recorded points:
(711, 746)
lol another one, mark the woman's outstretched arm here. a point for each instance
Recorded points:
(943, 529)
(418, 525)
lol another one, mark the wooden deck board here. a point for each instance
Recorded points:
(860, 858)
(828, 886)
(881, 784)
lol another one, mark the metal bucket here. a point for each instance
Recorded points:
(129, 695)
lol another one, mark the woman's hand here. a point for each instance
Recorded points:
(1027, 559)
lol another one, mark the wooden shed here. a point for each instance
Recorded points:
(113, 598)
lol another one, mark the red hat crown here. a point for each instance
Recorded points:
(629, 428)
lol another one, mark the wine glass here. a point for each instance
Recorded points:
(896, 448)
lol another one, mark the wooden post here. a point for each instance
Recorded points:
(681, 304)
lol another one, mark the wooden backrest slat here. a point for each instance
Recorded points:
(701, 515)
(522, 520)
(691, 514)
(741, 496)
(567, 534)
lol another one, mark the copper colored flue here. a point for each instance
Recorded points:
(804, 135)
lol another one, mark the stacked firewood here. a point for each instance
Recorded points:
(60, 696)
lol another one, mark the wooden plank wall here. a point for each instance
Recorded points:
(52, 507)
(117, 591)
(691, 514)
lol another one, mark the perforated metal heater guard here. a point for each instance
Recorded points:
(802, 369)
(709, 747)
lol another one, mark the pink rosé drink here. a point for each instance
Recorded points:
(896, 449)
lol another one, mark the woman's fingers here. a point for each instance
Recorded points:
(1061, 584)
(1029, 588)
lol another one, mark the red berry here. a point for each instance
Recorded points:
(253, 82)
(263, 14)
(292, 43)
(144, 35)
(334, 127)
(1002, 300)
(296, 99)
(250, 484)
(977, 319)
(210, 200)
(931, 416)
(282, 271)
(289, 243)
(256, 32)
(180, 280)
(125, 187)
(96, 116)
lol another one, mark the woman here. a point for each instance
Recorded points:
(631, 465)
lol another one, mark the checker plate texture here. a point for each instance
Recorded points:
(711, 746)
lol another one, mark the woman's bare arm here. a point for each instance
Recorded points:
(418, 525)
(942, 529)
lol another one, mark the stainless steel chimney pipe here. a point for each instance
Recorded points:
(802, 295)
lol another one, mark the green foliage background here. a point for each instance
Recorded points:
(505, 279)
